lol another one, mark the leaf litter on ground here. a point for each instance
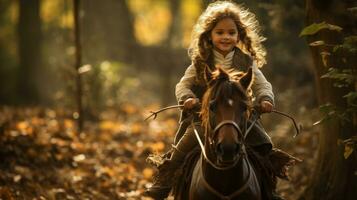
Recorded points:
(44, 157)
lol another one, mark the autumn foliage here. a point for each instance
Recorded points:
(44, 157)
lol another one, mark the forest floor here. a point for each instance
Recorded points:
(44, 157)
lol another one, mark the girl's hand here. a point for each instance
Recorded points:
(266, 107)
(190, 103)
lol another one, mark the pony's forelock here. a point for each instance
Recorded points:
(224, 86)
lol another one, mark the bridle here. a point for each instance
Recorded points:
(244, 132)
(242, 155)
(237, 128)
(242, 151)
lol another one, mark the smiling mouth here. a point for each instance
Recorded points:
(225, 44)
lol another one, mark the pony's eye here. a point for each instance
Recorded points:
(212, 105)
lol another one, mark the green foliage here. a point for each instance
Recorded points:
(331, 112)
(317, 43)
(324, 57)
(342, 78)
(315, 28)
(349, 44)
(351, 99)
(107, 83)
(349, 146)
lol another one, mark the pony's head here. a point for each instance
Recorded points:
(225, 110)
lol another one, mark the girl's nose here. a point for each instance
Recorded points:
(226, 36)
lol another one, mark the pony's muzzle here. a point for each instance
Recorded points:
(227, 153)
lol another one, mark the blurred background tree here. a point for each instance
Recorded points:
(31, 72)
(8, 54)
(133, 51)
(332, 35)
(138, 41)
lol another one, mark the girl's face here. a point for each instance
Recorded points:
(224, 36)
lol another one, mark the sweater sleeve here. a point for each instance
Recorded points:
(184, 87)
(262, 89)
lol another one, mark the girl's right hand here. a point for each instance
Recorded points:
(190, 103)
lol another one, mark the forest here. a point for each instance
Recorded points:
(78, 78)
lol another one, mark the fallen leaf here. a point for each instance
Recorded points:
(147, 173)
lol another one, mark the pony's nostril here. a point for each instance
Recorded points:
(237, 149)
(219, 149)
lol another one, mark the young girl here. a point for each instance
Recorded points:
(225, 35)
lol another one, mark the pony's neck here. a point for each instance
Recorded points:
(226, 181)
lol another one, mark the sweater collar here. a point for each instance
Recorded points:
(224, 61)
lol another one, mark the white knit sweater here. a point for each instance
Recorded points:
(262, 89)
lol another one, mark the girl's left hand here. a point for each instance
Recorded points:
(266, 107)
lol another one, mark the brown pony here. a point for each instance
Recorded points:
(223, 171)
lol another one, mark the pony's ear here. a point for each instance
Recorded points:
(220, 74)
(247, 80)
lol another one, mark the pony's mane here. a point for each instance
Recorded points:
(223, 86)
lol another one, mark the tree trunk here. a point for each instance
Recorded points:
(109, 28)
(334, 176)
(108, 31)
(78, 63)
(173, 39)
(7, 61)
(108, 35)
(29, 33)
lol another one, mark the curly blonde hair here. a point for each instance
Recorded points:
(249, 38)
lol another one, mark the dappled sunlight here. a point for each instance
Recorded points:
(109, 155)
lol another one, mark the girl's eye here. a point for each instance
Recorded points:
(232, 33)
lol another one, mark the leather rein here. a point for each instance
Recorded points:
(242, 154)
(242, 151)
